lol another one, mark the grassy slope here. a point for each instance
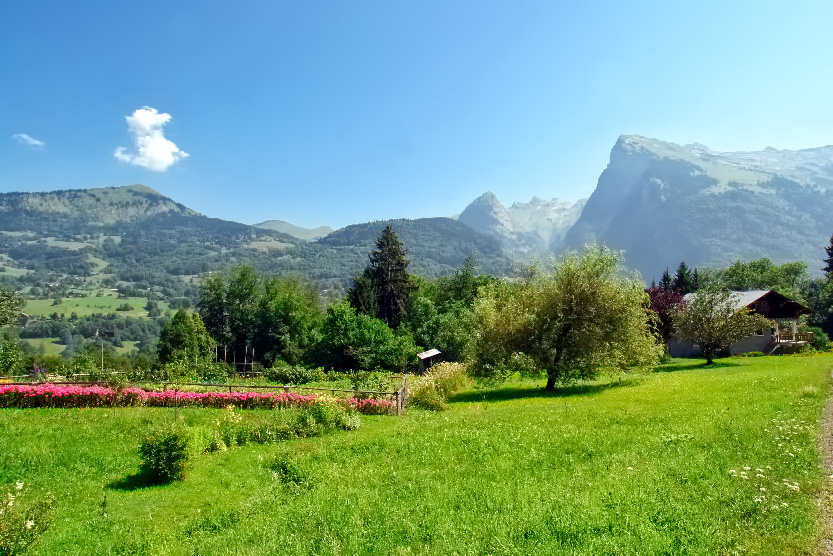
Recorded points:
(641, 466)
(50, 346)
(84, 306)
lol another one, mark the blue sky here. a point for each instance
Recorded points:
(331, 113)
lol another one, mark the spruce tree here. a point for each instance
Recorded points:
(390, 278)
(682, 279)
(665, 281)
(828, 262)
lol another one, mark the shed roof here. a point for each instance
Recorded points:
(429, 353)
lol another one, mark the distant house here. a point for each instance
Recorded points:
(783, 335)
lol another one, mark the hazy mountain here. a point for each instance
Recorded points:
(306, 234)
(524, 229)
(85, 207)
(662, 203)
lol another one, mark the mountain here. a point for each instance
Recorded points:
(662, 203)
(142, 243)
(524, 229)
(85, 207)
(306, 234)
(436, 246)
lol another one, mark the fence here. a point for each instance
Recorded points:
(399, 397)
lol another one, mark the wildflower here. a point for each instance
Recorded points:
(763, 489)
(747, 468)
(18, 485)
(630, 468)
(29, 524)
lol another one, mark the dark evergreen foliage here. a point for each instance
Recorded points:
(391, 281)
(683, 281)
(665, 281)
(828, 262)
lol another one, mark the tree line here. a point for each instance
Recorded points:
(563, 318)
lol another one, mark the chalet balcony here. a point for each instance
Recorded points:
(783, 337)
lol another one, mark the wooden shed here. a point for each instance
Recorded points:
(428, 359)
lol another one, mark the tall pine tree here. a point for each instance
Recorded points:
(828, 262)
(683, 280)
(665, 281)
(384, 288)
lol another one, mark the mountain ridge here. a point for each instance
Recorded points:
(662, 203)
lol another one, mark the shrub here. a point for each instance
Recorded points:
(820, 341)
(354, 341)
(214, 373)
(371, 381)
(431, 390)
(283, 373)
(423, 393)
(286, 472)
(330, 412)
(125, 307)
(22, 522)
(164, 455)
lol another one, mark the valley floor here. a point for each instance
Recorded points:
(684, 460)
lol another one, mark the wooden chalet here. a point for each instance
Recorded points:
(783, 336)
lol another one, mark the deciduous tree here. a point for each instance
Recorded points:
(712, 319)
(571, 320)
(662, 301)
(10, 305)
(185, 338)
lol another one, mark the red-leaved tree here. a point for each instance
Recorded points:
(662, 301)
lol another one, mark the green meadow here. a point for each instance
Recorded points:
(84, 306)
(683, 460)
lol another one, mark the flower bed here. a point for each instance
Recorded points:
(70, 396)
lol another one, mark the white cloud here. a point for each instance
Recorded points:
(28, 140)
(152, 150)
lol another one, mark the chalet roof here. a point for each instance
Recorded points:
(741, 299)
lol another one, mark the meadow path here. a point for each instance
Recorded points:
(826, 501)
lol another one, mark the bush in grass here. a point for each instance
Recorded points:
(284, 373)
(331, 413)
(286, 472)
(431, 390)
(164, 455)
(230, 431)
(22, 522)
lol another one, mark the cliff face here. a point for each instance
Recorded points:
(662, 203)
(524, 229)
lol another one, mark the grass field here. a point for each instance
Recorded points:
(84, 306)
(50, 346)
(684, 460)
